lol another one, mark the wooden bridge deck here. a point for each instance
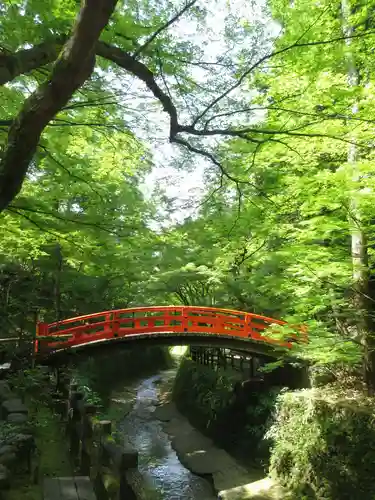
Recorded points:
(68, 488)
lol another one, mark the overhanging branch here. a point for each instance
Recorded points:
(72, 68)
(164, 27)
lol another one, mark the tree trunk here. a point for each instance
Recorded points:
(58, 282)
(359, 253)
(72, 68)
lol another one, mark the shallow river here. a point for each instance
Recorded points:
(158, 462)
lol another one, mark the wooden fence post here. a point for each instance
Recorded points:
(74, 425)
(88, 411)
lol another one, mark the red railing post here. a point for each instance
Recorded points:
(108, 322)
(41, 331)
(36, 341)
(115, 325)
(185, 320)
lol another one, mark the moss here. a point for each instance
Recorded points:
(324, 444)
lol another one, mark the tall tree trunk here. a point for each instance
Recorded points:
(361, 272)
(57, 293)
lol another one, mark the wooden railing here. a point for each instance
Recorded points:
(160, 320)
(246, 364)
(94, 452)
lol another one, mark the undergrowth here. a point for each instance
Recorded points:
(324, 444)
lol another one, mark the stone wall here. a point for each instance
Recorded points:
(18, 452)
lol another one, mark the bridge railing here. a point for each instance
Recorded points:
(167, 319)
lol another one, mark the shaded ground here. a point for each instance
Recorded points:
(54, 458)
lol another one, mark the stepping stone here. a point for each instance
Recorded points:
(4, 477)
(166, 412)
(265, 489)
(8, 458)
(17, 418)
(13, 406)
(68, 488)
(24, 443)
(7, 448)
(5, 391)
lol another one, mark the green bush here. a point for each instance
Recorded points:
(205, 391)
(324, 444)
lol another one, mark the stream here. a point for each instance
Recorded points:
(158, 462)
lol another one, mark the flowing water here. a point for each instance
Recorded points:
(158, 462)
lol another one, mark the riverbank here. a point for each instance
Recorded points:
(175, 460)
(200, 455)
(201, 436)
(233, 412)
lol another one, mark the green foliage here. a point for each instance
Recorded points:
(273, 235)
(237, 420)
(30, 383)
(206, 390)
(98, 376)
(323, 444)
(80, 245)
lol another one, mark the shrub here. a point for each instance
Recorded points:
(205, 391)
(235, 415)
(324, 444)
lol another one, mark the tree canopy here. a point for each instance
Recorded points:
(281, 112)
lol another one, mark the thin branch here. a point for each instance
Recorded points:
(65, 219)
(55, 235)
(242, 133)
(269, 56)
(67, 123)
(205, 63)
(212, 194)
(211, 157)
(74, 176)
(163, 28)
(238, 213)
(86, 104)
(323, 116)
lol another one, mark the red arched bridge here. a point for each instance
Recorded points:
(178, 325)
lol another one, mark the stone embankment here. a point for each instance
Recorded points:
(17, 444)
(201, 456)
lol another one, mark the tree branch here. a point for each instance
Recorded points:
(55, 235)
(75, 65)
(66, 219)
(72, 68)
(26, 60)
(74, 176)
(269, 56)
(140, 70)
(163, 28)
